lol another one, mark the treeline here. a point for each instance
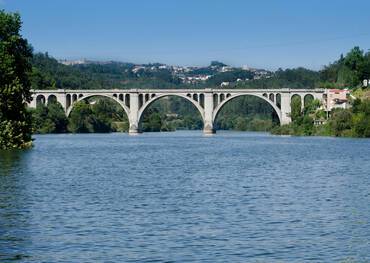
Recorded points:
(347, 72)
(353, 122)
(298, 78)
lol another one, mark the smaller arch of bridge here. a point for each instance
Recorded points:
(52, 98)
(40, 99)
(272, 97)
(294, 95)
(278, 100)
(74, 98)
(158, 96)
(234, 96)
(125, 108)
(307, 99)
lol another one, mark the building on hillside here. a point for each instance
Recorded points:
(337, 98)
(366, 83)
(73, 62)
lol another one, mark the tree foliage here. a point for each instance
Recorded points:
(49, 119)
(15, 54)
(347, 71)
(97, 115)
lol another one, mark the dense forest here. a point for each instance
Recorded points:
(171, 113)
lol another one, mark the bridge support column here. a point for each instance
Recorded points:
(285, 109)
(62, 99)
(133, 116)
(302, 102)
(208, 113)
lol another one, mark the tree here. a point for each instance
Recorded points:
(15, 55)
(312, 106)
(341, 122)
(153, 122)
(81, 119)
(49, 119)
(241, 124)
(296, 108)
(362, 118)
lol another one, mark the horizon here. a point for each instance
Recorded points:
(279, 35)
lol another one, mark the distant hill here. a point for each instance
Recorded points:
(49, 73)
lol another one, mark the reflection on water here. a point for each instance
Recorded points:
(13, 215)
(231, 197)
(10, 161)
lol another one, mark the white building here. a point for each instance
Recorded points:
(337, 98)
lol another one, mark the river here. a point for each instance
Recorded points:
(185, 197)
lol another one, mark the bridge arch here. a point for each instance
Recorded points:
(158, 96)
(40, 99)
(217, 110)
(308, 98)
(125, 108)
(52, 98)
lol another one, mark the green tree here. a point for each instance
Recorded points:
(152, 123)
(49, 119)
(361, 120)
(81, 119)
(341, 122)
(296, 106)
(307, 125)
(15, 55)
(362, 125)
(57, 116)
(312, 106)
(241, 124)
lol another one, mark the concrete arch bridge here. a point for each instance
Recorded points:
(208, 102)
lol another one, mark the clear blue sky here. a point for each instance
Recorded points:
(259, 33)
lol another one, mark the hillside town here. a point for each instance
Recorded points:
(187, 74)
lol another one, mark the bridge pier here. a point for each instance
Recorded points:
(285, 109)
(62, 99)
(133, 117)
(208, 113)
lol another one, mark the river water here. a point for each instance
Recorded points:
(185, 197)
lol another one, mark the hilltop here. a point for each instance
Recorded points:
(348, 71)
